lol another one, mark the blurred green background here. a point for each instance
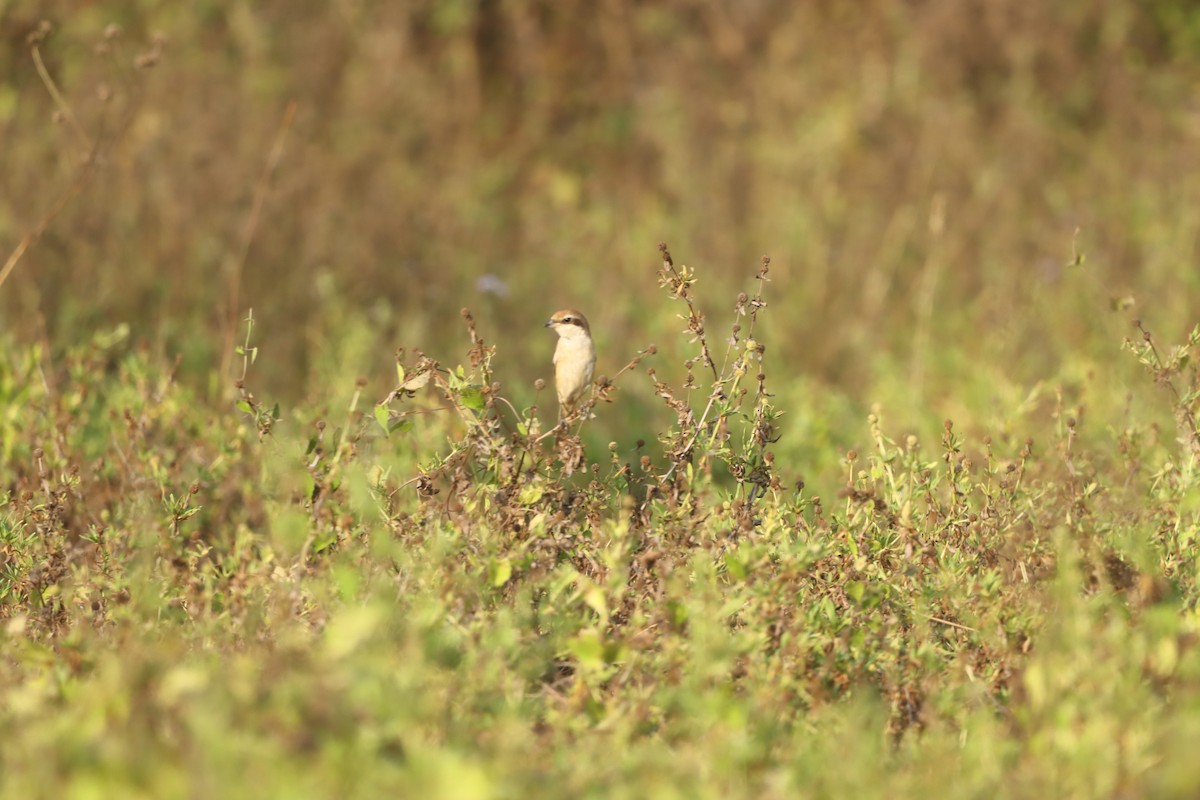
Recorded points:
(916, 170)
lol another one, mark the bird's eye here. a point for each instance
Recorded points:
(568, 320)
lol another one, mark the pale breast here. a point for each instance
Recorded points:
(574, 360)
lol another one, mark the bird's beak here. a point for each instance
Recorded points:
(549, 323)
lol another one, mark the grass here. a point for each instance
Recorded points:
(440, 597)
(907, 509)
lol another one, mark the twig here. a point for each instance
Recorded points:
(951, 624)
(695, 320)
(80, 179)
(251, 227)
(59, 100)
(550, 432)
(699, 428)
(61, 201)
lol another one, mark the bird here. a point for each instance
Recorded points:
(574, 358)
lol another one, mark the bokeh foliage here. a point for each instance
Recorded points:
(916, 170)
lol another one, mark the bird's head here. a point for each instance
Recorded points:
(569, 324)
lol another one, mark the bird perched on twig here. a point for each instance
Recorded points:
(574, 358)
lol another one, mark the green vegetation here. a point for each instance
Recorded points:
(907, 509)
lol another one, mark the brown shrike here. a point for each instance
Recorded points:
(574, 358)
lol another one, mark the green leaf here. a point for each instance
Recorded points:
(530, 494)
(852, 544)
(245, 406)
(825, 606)
(678, 612)
(188, 513)
(383, 416)
(594, 597)
(588, 648)
(472, 398)
(855, 591)
(501, 571)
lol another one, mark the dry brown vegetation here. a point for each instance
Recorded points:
(899, 161)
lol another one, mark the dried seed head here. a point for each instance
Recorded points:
(539, 384)
(39, 35)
